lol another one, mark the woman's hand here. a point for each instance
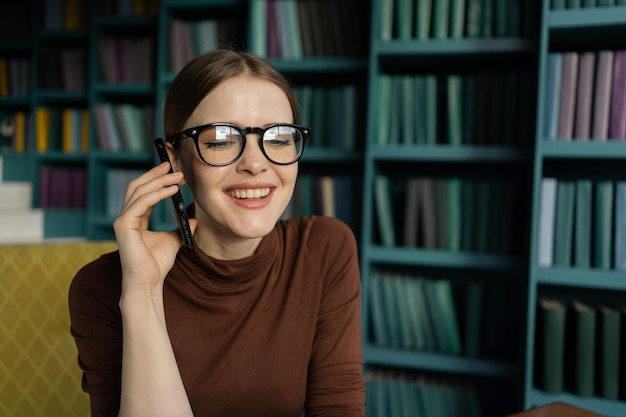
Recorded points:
(147, 256)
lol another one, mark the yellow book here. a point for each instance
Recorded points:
(43, 118)
(67, 129)
(20, 132)
(84, 142)
(4, 78)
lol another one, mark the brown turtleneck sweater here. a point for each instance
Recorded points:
(269, 335)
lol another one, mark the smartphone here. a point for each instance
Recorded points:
(177, 199)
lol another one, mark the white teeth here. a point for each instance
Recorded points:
(251, 193)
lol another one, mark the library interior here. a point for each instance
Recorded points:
(478, 158)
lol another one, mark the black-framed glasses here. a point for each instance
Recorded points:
(221, 144)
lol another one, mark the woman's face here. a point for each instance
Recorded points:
(238, 204)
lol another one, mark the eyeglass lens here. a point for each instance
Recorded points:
(221, 144)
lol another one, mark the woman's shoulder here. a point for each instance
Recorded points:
(105, 271)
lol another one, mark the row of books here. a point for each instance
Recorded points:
(125, 126)
(127, 59)
(414, 313)
(584, 96)
(63, 68)
(115, 184)
(474, 215)
(582, 224)
(62, 187)
(65, 14)
(332, 114)
(580, 348)
(128, 7)
(324, 195)
(59, 129)
(492, 108)
(392, 393)
(308, 28)
(438, 19)
(190, 39)
(576, 4)
(14, 77)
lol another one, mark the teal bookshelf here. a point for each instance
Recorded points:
(580, 30)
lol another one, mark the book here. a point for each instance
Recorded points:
(404, 18)
(384, 211)
(473, 319)
(258, 27)
(603, 224)
(584, 95)
(457, 18)
(552, 91)
(441, 19)
(567, 97)
(380, 334)
(411, 212)
(455, 109)
(609, 351)
(617, 108)
(582, 227)
(619, 249)
(602, 95)
(564, 222)
(385, 17)
(545, 248)
(550, 339)
(423, 12)
(583, 340)
(446, 306)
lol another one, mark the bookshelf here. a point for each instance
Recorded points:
(584, 153)
(134, 88)
(493, 270)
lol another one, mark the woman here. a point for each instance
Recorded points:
(263, 317)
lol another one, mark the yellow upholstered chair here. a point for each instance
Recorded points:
(39, 374)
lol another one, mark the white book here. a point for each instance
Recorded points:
(546, 222)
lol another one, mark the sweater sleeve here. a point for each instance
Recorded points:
(96, 326)
(336, 385)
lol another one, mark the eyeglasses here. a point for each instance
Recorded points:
(221, 144)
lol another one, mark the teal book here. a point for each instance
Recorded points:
(457, 18)
(408, 110)
(412, 211)
(384, 211)
(609, 351)
(414, 311)
(582, 227)
(404, 18)
(584, 345)
(419, 113)
(486, 27)
(424, 318)
(468, 216)
(447, 310)
(407, 336)
(443, 212)
(602, 95)
(376, 303)
(385, 22)
(441, 19)
(564, 222)
(383, 105)
(396, 111)
(455, 213)
(603, 224)
(473, 18)
(620, 226)
(558, 4)
(551, 98)
(455, 109)
(431, 104)
(423, 18)
(391, 310)
(551, 344)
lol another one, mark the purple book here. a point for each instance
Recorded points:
(617, 113)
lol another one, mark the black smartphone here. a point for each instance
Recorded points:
(177, 199)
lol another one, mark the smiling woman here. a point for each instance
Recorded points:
(263, 317)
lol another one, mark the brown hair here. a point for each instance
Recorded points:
(201, 75)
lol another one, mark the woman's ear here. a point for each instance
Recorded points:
(174, 156)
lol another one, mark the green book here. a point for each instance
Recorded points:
(391, 310)
(431, 103)
(414, 312)
(559, 4)
(457, 18)
(441, 19)
(609, 351)
(425, 323)
(564, 222)
(444, 299)
(383, 105)
(455, 109)
(420, 111)
(423, 12)
(376, 307)
(583, 344)
(551, 344)
(603, 224)
(404, 313)
(473, 18)
(455, 213)
(582, 224)
(385, 22)
(384, 211)
(404, 18)
(408, 110)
